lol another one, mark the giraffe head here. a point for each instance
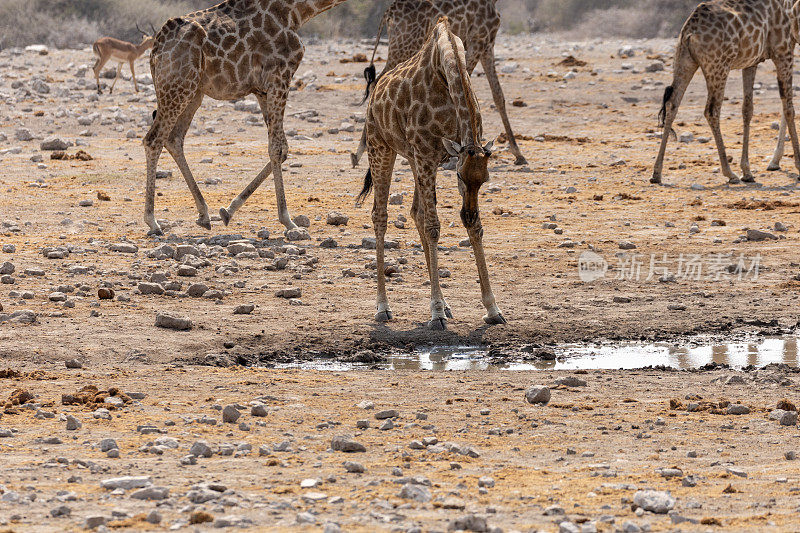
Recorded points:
(473, 171)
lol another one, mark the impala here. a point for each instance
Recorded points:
(106, 48)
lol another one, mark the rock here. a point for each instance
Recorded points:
(418, 493)
(107, 444)
(73, 423)
(789, 418)
(201, 449)
(73, 363)
(126, 482)
(186, 271)
(244, 309)
(387, 413)
(568, 527)
(258, 410)
(627, 245)
(123, 247)
(7, 268)
(173, 322)
(302, 221)
(153, 517)
(95, 521)
(738, 409)
(396, 199)
(469, 522)
(54, 143)
(353, 467)
(61, 510)
(537, 394)
(758, 235)
(297, 234)
(655, 501)
(345, 443)
(336, 218)
(23, 134)
(151, 493)
(736, 471)
(150, 288)
(288, 292)
(196, 290)
(230, 414)
(105, 294)
(571, 381)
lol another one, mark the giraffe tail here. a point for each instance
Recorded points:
(370, 74)
(366, 189)
(662, 115)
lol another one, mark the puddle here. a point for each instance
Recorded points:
(693, 353)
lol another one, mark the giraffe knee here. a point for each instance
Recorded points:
(433, 231)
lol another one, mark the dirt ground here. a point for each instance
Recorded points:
(589, 132)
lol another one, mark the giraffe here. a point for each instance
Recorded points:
(722, 35)
(475, 22)
(226, 52)
(416, 110)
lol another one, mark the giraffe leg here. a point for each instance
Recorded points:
(500, 103)
(273, 104)
(381, 164)
(775, 164)
(784, 68)
(425, 182)
(119, 71)
(174, 145)
(418, 214)
(715, 82)
(748, 79)
(685, 68)
(472, 222)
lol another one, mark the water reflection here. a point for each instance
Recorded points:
(631, 355)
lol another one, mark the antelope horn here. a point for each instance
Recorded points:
(140, 29)
(153, 28)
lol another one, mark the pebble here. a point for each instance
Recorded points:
(201, 449)
(73, 423)
(738, 409)
(571, 381)
(659, 502)
(126, 482)
(244, 309)
(537, 394)
(173, 322)
(387, 413)
(335, 218)
(353, 467)
(230, 414)
(73, 363)
(418, 493)
(345, 443)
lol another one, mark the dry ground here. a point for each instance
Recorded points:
(595, 134)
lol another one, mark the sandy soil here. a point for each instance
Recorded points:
(593, 132)
(580, 459)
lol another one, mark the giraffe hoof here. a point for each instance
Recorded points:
(155, 232)
(448, 313)
(748, 178)
(354, 159)
(734, 180)
(437, 324)
(494, 320)
(656, 180)
(384, 316)
(224, 215)
(773, 167)
(203, 222)
(520, 160)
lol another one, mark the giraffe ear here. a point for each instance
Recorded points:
(452, 147)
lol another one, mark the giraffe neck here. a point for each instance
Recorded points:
(302, 11)
(448, 56)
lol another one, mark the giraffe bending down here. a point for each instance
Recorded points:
(475, 22)
(415, 110)
(722, 35)
(228, 51)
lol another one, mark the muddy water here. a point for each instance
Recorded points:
(694, 353)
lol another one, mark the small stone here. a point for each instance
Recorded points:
(418, 493)
(336, 218)
(73, 363)
(486, 482)
(53, 143)
(151, 493)
(201, 449)
(626, 245)
(288, 292)
(244, 309)
(353, 467)
(738, 409)
(655, 501)
(789, 418)
(344, 443)
(537, 394)
(758, 235)
(230, 414)
(173, 322)
(387, 413)
(258, 410)
(571, 381)
(126, 482)
(73, 423)
(107, 444)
